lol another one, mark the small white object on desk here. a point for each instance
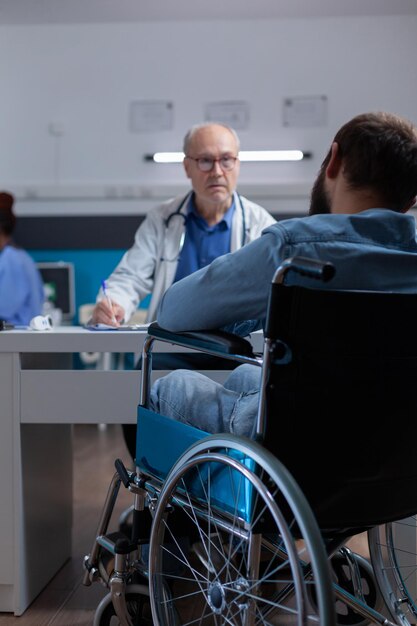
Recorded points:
(41, 322)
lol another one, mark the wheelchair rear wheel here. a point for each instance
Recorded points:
(255, 545)
(393, 550)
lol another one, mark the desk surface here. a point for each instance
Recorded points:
(50, 390)
(71, 339)
(79, 339)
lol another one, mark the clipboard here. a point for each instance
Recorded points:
(123, 327)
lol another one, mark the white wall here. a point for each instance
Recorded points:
(85, 76)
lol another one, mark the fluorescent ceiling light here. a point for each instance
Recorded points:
(271, 155)
(167, 157)
(249, 156)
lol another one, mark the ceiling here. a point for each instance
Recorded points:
(106, 11)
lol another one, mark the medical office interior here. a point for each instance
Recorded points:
(90, 89)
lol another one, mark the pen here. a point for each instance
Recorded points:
(106, 295)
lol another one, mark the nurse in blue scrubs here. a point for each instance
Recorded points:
(21, 287)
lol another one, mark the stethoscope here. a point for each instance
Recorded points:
(183, 216)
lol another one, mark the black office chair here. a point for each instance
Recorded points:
(337, 409)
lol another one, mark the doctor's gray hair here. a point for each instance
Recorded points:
(194, 129)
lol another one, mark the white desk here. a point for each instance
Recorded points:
(41, 397)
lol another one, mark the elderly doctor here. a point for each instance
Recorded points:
(186, 233)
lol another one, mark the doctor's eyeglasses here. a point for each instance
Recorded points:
(206, 164)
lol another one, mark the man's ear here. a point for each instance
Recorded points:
(335, 162)
(186, 165)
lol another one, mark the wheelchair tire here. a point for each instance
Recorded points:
(393, 550)
(248, 564)
(137, 598)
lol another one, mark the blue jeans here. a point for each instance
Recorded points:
(194, 399)
(173, 361)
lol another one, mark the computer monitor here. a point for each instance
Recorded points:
(58, 278)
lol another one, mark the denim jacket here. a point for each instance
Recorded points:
(375, 249)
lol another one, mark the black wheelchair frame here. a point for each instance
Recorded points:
(231, 531)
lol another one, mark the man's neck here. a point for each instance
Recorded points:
(351, 201)
(212, 212)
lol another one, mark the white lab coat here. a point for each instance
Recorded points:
(150, 265)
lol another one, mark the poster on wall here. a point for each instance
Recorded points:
(305, 111)
(151, 115)
(232, 113)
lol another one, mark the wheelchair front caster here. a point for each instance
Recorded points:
(344, 577)
(137, 599)
(345, 615)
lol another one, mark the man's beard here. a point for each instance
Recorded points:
(319, 200)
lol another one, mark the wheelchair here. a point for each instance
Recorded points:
(234, 531)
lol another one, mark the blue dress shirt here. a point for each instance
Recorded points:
(203, 243)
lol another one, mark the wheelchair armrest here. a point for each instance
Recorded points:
(213, 341)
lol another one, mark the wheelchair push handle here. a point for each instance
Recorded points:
(311, 268)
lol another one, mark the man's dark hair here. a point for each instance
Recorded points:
(379, 152)
(7, 217)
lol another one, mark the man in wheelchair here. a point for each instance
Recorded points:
(234, 540)
(366, 184)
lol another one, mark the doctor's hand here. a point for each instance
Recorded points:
(108, 312)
